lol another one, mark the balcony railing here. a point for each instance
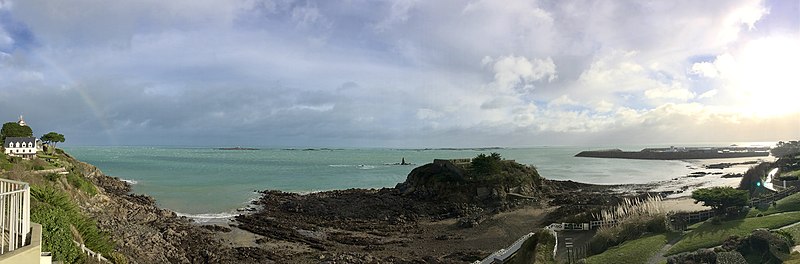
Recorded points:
(15, 215)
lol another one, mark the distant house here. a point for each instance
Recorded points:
(24, 147)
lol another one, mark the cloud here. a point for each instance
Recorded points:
(6, 42)
(519, 74)
(676, 93)
(399, 72)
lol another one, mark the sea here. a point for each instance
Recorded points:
(207, 182)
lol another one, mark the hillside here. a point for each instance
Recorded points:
(124, 227)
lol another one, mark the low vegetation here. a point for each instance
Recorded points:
(709, 234)
(787, 204)
(634, 251)
(53, 207)
(80, 183)
(794, 231)
(537, 249)
(493, 169)
(784, 149)
(752, 178)
(635, 217)
(59, 216)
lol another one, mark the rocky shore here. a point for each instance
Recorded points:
(440, 214)
(145, 233)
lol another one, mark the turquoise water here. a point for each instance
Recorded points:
(211, 181)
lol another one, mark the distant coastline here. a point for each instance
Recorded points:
(683, 153)
(237, 148)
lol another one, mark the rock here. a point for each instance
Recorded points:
(145, 233)
(216, 228)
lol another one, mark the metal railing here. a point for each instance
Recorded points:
(504, 254)
(91, 253)
(15, 215)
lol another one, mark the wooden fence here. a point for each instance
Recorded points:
(773, 197)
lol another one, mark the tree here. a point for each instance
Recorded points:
(720, 198)
(52, 138)
(483, 164)
(12, 129)
(783, 149)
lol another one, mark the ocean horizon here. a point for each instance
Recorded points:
(207, 182)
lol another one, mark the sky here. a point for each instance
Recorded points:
(402, 73)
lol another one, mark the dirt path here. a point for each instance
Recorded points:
(659, 257)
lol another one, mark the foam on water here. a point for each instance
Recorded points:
(131, 182)
(205, 218)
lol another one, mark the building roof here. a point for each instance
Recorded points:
(20, 140)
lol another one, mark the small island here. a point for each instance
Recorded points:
(237, 148)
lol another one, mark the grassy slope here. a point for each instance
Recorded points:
(537, 249)
(788, 204)
(709, 235)
(634, 251)
(795, 231)
(54, 205)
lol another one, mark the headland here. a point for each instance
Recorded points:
(679, 153)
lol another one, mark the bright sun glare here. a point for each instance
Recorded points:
(768, 75)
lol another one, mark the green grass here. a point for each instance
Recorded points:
(81, 183)
(537, 249)
(795, 232)
(788, 204)
(5, 164)
(791, 173)
(634, 251)
(793, 259)
(58, 214)
(709, 235)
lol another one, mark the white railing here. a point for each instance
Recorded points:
(502, 255)
(15, 214)
(91, 253)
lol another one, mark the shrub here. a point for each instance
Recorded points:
(635, 217)
(751, 179)
(783, 149)
(117, 258)
(57, 214)
(786, 235)
(721, 198)
(732, 257)
(38, 164)
(52, 176)
(80, 183)
(486, 165)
